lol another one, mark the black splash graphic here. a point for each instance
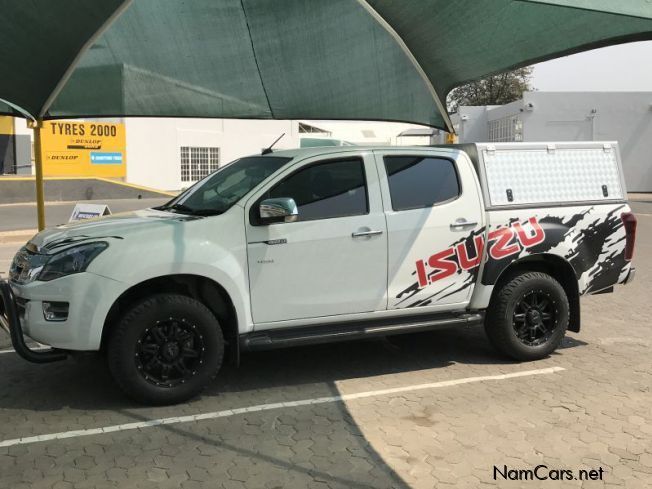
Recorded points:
(468, 282)
(411, 290)
(607, 272)
(590, 241)
(556, 230)
(428, 300)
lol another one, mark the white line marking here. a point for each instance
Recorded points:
(267, 407)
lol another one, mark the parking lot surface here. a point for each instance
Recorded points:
(438, 409)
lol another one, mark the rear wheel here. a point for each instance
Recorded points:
(528, 316)
(166, 349)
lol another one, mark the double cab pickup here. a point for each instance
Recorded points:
(329, 244)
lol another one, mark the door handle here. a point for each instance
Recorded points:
(362, 234)
(462, 223)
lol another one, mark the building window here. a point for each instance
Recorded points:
(507, 129)
(198, 161)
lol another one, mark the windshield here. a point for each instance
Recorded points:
(217, 192)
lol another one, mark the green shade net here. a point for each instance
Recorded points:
(284, 59)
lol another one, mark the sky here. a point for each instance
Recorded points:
(626, 67)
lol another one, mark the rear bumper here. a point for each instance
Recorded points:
(10, 323)
(630, 276)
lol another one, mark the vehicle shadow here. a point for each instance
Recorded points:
(358, 359)
(85, 383)
(289, 446)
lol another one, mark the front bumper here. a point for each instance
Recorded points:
(10, 322)
(89, 296)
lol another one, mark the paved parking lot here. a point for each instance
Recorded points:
(421, 411)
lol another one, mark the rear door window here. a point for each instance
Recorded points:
(416, 182)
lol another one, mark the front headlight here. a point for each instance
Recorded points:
(26, 266)
(72, 260)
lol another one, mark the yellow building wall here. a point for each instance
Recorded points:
(73, 148)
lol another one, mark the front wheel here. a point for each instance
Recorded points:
(528, 316)
(166, 349)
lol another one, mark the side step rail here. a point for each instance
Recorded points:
(330, 333)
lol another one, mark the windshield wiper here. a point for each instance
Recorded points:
(206, 212)
(184, 209)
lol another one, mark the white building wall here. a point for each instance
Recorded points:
(625, 117)
(153, 145)
(471, 123)
(368, 132)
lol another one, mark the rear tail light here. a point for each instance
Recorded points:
(629, 221)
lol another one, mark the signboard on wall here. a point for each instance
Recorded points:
(75, 148)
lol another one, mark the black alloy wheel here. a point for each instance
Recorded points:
(535, 317)
(528, 316)
(170, 352)
(165, 349)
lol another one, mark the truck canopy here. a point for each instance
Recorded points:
(530, 174)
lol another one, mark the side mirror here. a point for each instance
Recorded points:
(283, 209)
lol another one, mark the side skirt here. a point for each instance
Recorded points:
(334, 332)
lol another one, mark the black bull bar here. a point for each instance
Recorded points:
(10, 322)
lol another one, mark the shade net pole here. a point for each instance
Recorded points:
(38, 164)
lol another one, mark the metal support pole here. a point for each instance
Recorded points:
(36, 125)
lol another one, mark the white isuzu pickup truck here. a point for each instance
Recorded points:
(328, 244)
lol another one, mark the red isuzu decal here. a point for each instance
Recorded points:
(538, 237)
(503, 242)
(442, 265)
(465, 262)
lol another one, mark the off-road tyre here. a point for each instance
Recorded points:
(518, 329)
(165, 349)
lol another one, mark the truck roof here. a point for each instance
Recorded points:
(519, 173)
(327, 150)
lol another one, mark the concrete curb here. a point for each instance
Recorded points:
(19, 236)
(20, 189)
(640, 197)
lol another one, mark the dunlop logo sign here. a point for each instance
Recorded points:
(73, 148)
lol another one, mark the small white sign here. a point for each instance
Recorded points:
(88, 211)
